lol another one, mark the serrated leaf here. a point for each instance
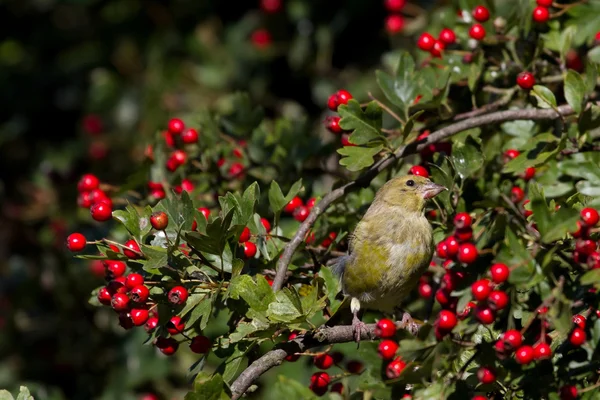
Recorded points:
(137, 225)
(207, 388)
(365, 125)
(201, 312)
(562, 222)
(356, 158)
(545, 96)
(574, 90)
(401, 90)
(467, 159)
(537, 151)
(276, 198)
(258, 295)
(287, 308)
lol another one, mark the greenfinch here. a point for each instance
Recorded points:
(390, 248)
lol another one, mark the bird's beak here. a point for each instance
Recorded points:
(432, 189)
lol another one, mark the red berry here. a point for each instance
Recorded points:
(120, 302)
(467, 310)
(512, 153)
(319, 380)
(167, 346)
(139, 316)
(419, 170)
(589, 216)
(463, 234)
(140, 294)
(87, 183)
(524, 354)
(577, 337)
(159, 220)
(485, 315)
(447, 36)
(498, 300)
(117, 285)
(541, 14)
(354, 367)
(311, 202)
(542, 351)
(133, 280)
(132, 249)
(249, 249)
(178, 295)
(442, 249)
(544, 3)
(189, 136)
(97, 268)
(200, 344)
(526, 212)
(245, 235)
(585, 246)
(526, 81)
(345, 140)
(436, 51)
(425, 42)
(385, 328)
(447, 320)
(175, 325)
(477, 32)
(481, 289)
(517, 194)
(568, 392)
(76, 242)
(513, 339)
(104, 296)
(387, 349)
(292, 205)
(343, 96)
(394, 5)
(463, 220)
(486, 375)
(151, 324)
(529, 173)
(333, 124)
(425, 290)
(579, 320)
(395, 368)
(101, 211)
(394, 23)
(125, 320)
(443, 297)
(329, 239)
(261, 38)
(500, 272)
(266, 224)
(204, 211)
(481, 14)
(467, 253)
(479, 397)
(333, 103)
(301, 213)
(176, 126)
(337, 387)
(323, 361)
(452, 247)
(270, 6)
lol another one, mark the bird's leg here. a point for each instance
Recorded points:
(357, 324)
(409, 324)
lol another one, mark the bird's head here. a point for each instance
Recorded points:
(409, 192)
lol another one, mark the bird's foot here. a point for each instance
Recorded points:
(409, 324)
(357, 328)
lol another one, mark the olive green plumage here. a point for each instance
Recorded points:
(391, 246)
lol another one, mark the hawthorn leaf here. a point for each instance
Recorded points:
(574, 90)
(357, 158)
(365, 125)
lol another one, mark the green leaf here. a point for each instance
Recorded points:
(276, 198)
(24, 394)
(566, 40)
(258, 295)
(410, 124)
(467, 158)
(181, 212)
(286, 388)
(525, 269)
(574, 90)
(356, 158)
(562, 222)
(207, 388)
(541, 214)
(366, 126)
(545, 96)
(234, 364)
(157, 257)
(137, 225)
(287, 308)
(594, 55)
(591, 277)
(537, 151)
(591, 76)
(402, 89)
(588, 188)
(201, 312)
(5, 395)
(332, 287)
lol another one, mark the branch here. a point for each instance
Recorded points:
(365, 179)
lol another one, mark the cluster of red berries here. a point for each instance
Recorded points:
(394, 22)
(526, 80)
(94, 198)
(386, 330)
(244, 239)
(427, 42)
(541, 13)
(175, 136)
(480, 14)
(298, 209)
(458, 246)
(261, 38)
(332, 123)
(439, 147)
(529, 172)
(586, 249)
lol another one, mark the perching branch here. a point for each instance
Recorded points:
(411, 148)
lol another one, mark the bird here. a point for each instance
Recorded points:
(389, 250)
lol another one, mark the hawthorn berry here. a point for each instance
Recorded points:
(133, 280)
(261, 38)
(245, 235)
(542, 351)
(425, 290)
(159, 220)
(139, 316)
(485, 315)
(486, 375)
(524, 354)
(577, 337)
(387, 349)
(200, 344)
(189, 136)
(175, 325)
(117, 285)
(266, 224)
(467, 310)
(343, 96)
(447, 36)
(329, 239)
(270, 6)
(419, 170)
(120, 302)
(517, 194)
(249, 249)
(541, 14)
(500, 272)
(292, 357)
(311, 202)
(97, 268)
(84, 200)
(481, 14)
(585, 246)
(479, 397)
(467, 253)
(452, 247)
(236, 170)
(337, 387)
(477, 32)
(204, 211)
(323, 361)
(395, 368)
(513, 339)
(104, 296)
(442, 249)
(589, 216)
(437, 49)
(175, 126)
(544, 3)
(481, 289)
(579, 320)
(498, 300)
(446, 320)
(462, 220)
(345, 140)
(385, 328)
(301, 213)
(333, 124)
(526, 81)
(443, 297)
(167, 346)
(87, 183)
(125, 320)
(394, 23)
(568, 392)
(319, 381)
(101, 211)
(139, 294)
(529, 173)
(178, 295)
(394, 5)
(292, 205)
(132, 249)
(425, 42)
(76, 242)
(151, 324)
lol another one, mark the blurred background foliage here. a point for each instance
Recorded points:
(86, 84)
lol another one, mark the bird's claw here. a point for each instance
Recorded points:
(357, 327)
(409, 324)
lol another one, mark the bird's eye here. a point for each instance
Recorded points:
(410, 183)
